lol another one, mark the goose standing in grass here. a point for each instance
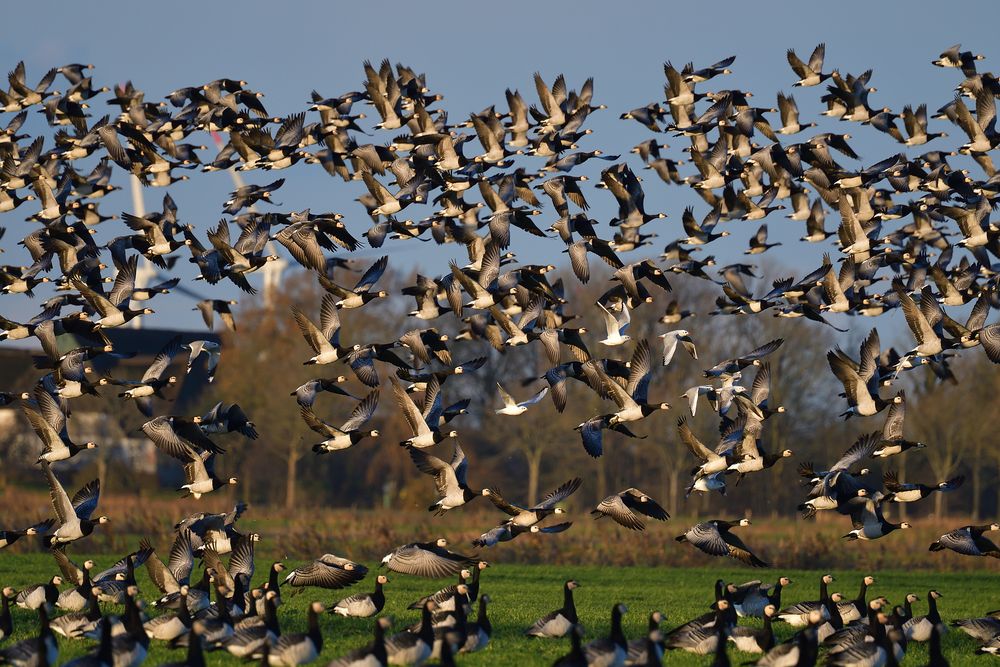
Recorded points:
(513, 408)
(752, 639)
(73, 517)
(969, 541)
(42, 649)
(626, 508)
(801, 649)
(328, 571)
(363, 605)
(612, 650)
(981, 629)
(559, 622)
(714, 538)
(40, 595)
(6, 621)
(702, 639)
(648, 649)
(575, 657)
(373, 655)
(299, 648)
(449, 478)
(478, 632)
(427, 559)
(797, 615)
(413, 648)
(856, 609)
(919, 628)
(348, 433)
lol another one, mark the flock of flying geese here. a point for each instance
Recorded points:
(894, 226)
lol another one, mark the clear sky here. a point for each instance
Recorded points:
(471, 52)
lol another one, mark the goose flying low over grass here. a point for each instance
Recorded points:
(529, 516)
(328, 571)
(969, 541)
(73, 517)
(716, 539)
(627, 507)
(427, 559)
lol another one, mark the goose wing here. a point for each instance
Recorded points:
(892, 429)
(862, 449)
(560, 494)
(371, 276)
(639, 372)
(311, 333)
(330, 572)
(706, 537)
(60, 501)
(693, 444)
(640, 502)
(615, 507)
(741, 552)
(85, 500)
(181, 560)
(413, 417)
(162, 434)
(915, 319)
(419, 561)
(445, 479)
(362, 412)
(502, 504)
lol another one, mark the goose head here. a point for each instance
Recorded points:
(744, 522)
(869, 580)
(785, 581)
(233, 481)
(571, 584)
(382, 579)
(786, 453)
(103, 519)
(441, 542)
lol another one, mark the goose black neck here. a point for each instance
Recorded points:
(482, 619)
(93, 609)
(859, 602)
(569, 606)
(933, 614)
(6, 622)
(617, 636)
(378, 646)
(271, 617)
(195, 656)
(426, 626)
(823, 595)
(272, 579)
(105, 650)
(314, 632)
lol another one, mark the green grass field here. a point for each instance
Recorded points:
(520, 594)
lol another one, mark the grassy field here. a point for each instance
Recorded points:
(520, 594)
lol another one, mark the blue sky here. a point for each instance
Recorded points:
(471, 52)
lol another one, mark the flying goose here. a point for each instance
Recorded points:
(328, 571)
(49, 424)
(968, 541)
(714, 538)
(362, 292)
(529, 516)
(153, 380)
(426, 559)
(73, 517)
(348, 434)
(199, 462)
(632, 398)
(625, 509)
(514, 408)
(860, 379)
(908, 492)
(559, 622)
(8, 537)
(425, 430)
(810, 74)
(449, 478)
(305, 395)
(752, 358)
(868, 521)
(325, 339)
(892, 441)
